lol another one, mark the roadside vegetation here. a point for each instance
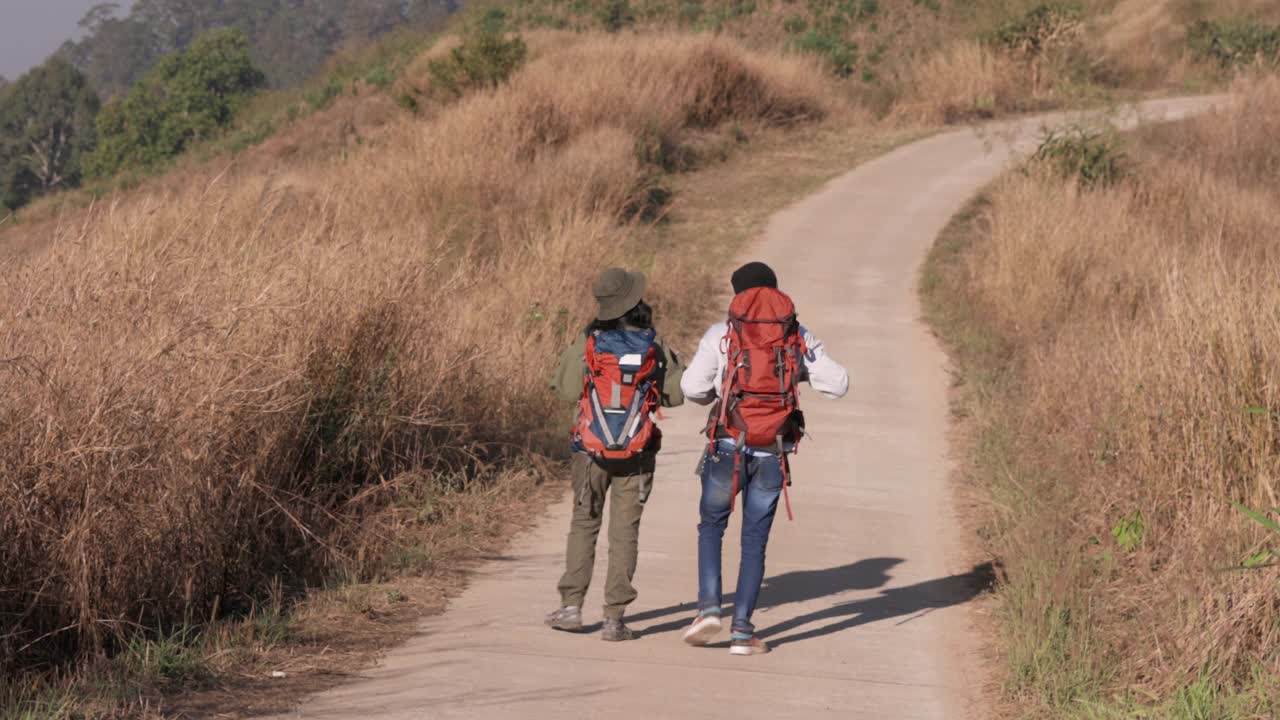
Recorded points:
(233, 382)
(247, 389)
(1113, 312)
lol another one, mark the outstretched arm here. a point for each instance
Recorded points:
(824, 374)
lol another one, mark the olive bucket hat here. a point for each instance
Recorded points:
(617, 291)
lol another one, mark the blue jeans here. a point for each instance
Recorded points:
(760, 482)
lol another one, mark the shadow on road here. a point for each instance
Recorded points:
(907, 602)
(792, 587)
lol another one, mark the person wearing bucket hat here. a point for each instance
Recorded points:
(617, 292)
(618, 352)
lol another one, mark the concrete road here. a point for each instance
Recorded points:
(865, 601)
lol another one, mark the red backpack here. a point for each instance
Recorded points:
(759, 406)
(621, 391)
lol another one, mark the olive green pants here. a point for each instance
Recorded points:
(627, 486)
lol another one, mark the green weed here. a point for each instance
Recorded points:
(840, 54)
(1129, 531)
(324, 96)
(1234, 43)
(166, 657)
(1093, 157)
(615, 15)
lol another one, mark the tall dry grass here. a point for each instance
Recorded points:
(1145, 41)
(1142, 323)
(968, 80)
(221, 381)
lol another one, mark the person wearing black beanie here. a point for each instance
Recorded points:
(753, 275)
(730, 465)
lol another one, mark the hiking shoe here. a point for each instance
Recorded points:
(616, 631)
(566, 618)
(747, 645)
(705, 627)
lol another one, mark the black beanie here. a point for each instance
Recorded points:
(753, 275)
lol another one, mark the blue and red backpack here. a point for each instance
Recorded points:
(621, 391)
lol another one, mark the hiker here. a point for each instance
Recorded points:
(754, 425)
(620, 372)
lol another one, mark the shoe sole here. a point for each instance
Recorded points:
(703, 631)
(567, 627)
(745, 650)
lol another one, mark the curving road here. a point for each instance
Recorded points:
(866, 595)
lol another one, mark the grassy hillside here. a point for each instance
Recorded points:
(909, 61)
(234, 379)
(1117, 339)
(269, 367)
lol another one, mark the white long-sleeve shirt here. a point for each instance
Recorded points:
(702, 379)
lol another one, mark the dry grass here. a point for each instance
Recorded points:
(241, 377)
(1136, 329)
(1145, 40)
(965, 81)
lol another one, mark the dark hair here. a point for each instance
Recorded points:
(640, 316)
(753, 275)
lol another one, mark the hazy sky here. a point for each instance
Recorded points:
(30, 30)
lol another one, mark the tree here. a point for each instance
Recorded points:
(290, 39)
(114, 52)
(46, 129)
(187, 97)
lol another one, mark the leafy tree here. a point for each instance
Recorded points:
(290, 39)
(46, 129)
(115, 52)
(188, 96)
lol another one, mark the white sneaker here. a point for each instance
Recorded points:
(748, 646)
(703, 629)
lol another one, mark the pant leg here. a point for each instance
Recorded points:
(713, 510)
(627, 497)
(590, 482)
(760, 491)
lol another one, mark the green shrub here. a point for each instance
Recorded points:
(486, 58)
(857, 10)
(795, 24)
(1092, 157)
(381, 76)
(718, 18)
(615, 15)
(323, 96)
(187, 97)
(1234, 43)
(691, 11)
(840, 54)
(255, 132)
